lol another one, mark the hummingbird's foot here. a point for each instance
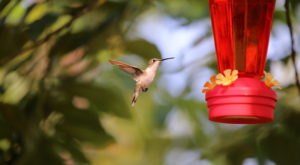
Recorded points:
(145, 89)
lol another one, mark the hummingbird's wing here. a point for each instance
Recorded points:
(134, 71)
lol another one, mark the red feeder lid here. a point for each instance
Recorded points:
(246, 101)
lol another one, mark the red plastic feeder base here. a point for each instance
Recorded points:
(247, 101)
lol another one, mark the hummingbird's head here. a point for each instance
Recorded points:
(157, 60)
(154, 60)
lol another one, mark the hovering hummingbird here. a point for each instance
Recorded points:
(143, 78)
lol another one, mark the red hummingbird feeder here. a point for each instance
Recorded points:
(241, 93)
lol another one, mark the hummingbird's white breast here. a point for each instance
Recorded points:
(148, 76)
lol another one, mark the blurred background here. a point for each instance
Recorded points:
(61, 102)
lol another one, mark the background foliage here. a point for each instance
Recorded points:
(62, 103)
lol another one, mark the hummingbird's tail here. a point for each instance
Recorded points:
(136, 94)
(134, 99)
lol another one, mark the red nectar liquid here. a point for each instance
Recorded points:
(241, 31)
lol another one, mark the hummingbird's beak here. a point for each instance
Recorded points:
(166, 58)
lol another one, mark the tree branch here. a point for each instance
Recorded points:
(293, 50)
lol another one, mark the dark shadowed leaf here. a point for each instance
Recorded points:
(37, 27)
(74, 149)
(295, 4)
(43, 152)
(70, 41)
(84, 126)
(12, 39)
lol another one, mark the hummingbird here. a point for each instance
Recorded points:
(143, 78)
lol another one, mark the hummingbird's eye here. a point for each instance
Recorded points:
(153, 60)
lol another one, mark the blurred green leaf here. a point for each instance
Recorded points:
(143, 48)
(103, 99)
(189, 9)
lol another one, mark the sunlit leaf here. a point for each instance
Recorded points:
(15, 16)
(37, 12)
